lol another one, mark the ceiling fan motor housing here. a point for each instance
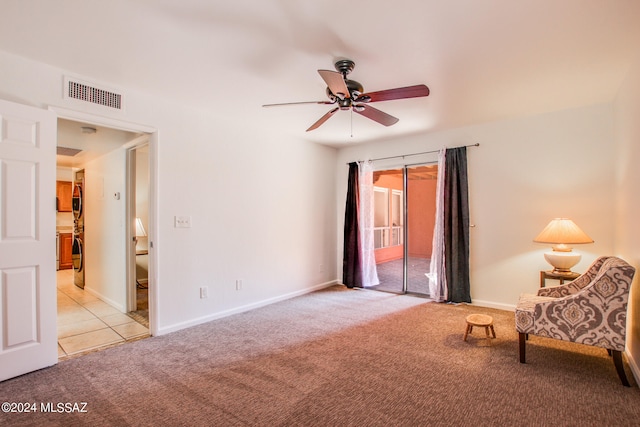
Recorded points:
(344, 67)
(355, 89)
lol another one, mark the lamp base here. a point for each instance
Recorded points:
(562, 261)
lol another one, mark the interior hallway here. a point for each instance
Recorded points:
(85, 323)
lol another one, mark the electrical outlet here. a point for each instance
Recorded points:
(238, 284)
(182, 221)
(321, 268)
(204, 292)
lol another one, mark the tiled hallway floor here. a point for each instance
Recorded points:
(86, 323)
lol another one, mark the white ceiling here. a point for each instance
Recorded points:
(483, 60)
(91, 145)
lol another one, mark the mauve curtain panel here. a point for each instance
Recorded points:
(456, 225)
(437, 277)
(351, 269)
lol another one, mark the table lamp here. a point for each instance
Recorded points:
(562, 232)
(140, 231)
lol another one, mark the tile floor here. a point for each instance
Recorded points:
(85, 323)
(391, 273)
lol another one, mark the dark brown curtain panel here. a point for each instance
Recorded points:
(351, 269)
(456, 225)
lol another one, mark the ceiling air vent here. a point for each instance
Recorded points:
(89, 92)
(66, 151)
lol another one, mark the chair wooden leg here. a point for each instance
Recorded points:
(617, 361)
(522, 338)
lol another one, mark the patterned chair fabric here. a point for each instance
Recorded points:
(590, 310)
(577, 284)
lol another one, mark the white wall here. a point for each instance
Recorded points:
(105, 229)
(64, 174)
(262, 205)
(627, 132)
(262, 210)
(524, 173)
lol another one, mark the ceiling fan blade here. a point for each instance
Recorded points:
(336, 83)
(323, 119)
(390, 94)
(375, 115)
(297, 103)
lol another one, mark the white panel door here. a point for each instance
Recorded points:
(28, 331)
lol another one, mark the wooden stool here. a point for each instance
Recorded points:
(480, 320)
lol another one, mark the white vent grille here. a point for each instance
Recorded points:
(88, 92)
(66, 151)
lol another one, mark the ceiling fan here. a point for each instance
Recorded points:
(348, 95)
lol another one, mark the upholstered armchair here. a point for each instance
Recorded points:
(591, 310)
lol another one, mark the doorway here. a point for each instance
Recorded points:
(138, 217)
(99, 315)
(404, 218)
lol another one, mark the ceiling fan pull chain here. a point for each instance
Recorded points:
(351, 123)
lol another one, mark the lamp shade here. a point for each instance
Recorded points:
(140, 231)
(562, 231)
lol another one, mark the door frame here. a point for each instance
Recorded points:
(152, 136)
(131, 147)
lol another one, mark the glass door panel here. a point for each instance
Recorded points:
(421, 212)
(388, 231)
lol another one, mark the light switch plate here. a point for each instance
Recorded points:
(182, 221)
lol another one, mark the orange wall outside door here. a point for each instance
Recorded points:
(422, 212)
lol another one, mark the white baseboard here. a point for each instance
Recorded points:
(490, 304)
(194, 322)
(109, 301)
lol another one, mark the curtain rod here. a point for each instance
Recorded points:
(477, 144)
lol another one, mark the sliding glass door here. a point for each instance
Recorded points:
(421, 215)
(404, 215)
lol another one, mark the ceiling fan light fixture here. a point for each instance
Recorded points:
(344, 104)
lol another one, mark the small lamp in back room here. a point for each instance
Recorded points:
(140, 231)
(561, 233)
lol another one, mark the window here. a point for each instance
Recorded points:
(388, 217)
